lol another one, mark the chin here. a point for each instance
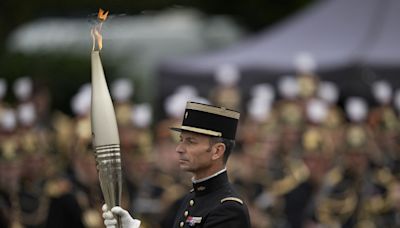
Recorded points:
(185, 168)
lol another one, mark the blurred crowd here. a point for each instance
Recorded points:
(301, 160)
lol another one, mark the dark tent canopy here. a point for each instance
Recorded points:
(354, 42)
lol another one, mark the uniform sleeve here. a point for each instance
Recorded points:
(229, 214)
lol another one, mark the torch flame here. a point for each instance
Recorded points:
(102, 15)
(96, 30)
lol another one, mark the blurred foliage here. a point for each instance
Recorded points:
(65, 74)
(62, 74)
(252, 14)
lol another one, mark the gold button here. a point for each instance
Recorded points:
(181, 224)
(186, 213)
(191, 202)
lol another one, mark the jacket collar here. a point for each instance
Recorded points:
(211, 183)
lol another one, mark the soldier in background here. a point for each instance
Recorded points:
(34, 144)
(63, 132)
(384, 123)
(227, 92)
(41, 98)
(259, 114)
(305, 74)
(10, 171)
(122, 91)
(316, 156)
(335, 119)
(290, 115)
(280, 149)
(80, 105)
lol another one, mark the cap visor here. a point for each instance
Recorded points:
(197, 130)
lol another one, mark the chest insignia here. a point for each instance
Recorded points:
(192, 221)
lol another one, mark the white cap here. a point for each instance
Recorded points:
(288, 87)
(316, 110)
(8, 120)
(356, 109)
(263, 91)
(23, 88)
(142, 115)
(81, 102)
(26, 114)
(3, 87)
(259, 109)
(305, 63)
(227, 75)
(175, 105)
(382, 91)
(187, 91)
(122, 89)
(200, 100)
(328, 92)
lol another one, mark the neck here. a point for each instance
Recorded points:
(207, 175)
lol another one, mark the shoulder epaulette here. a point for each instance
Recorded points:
(232, 199)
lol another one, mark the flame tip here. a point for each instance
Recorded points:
(96, 30)
(102, 15)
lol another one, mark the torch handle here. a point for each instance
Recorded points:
(108, 159)
(119, 224)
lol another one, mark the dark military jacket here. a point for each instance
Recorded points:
(213, 203)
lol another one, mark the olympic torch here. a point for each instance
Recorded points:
(104, 126)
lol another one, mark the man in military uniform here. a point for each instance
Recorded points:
(206, 139)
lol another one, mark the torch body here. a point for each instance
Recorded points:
(105, 136)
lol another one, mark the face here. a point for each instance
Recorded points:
(195, 153)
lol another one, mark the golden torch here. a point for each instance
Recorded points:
(104, 126)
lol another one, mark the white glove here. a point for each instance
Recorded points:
(126, 220)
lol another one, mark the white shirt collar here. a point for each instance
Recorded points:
(209, 177)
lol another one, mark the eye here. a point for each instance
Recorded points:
(191, 141)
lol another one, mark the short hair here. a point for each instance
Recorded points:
(229, 145)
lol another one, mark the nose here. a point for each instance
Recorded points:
(180, 148)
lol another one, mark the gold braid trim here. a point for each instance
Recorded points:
(232, 199)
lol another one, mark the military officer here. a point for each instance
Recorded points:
(207, 138)
(384, 124)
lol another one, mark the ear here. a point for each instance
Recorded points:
(218, 152)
